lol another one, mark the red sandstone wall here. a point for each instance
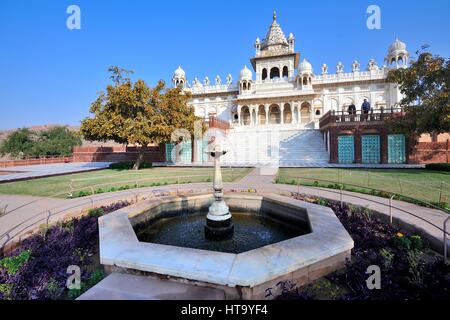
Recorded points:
(31, 162)
(116, 154)
(430, 152)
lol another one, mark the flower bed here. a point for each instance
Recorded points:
(38, 268)
(409, 269)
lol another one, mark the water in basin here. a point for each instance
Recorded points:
(250, 232)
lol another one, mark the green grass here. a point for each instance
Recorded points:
(108, 179)
(424, 185)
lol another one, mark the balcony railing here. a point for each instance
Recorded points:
(214, 122)
(374, 115)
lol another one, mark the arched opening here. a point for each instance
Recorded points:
(244, 85)
(285, 72)
(274, 73)
(264, 74)
(262, 115)
(287, 113)
(274, 114)
(318, 112)
(305, 112)
(245, 116)
(305, 81)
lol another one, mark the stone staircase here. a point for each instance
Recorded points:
(303, 148)
(274, 148)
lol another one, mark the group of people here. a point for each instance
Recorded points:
(365, 107)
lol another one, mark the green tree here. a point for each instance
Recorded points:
(57, 141)
(426, 89)
(133, 113)
(19, 144)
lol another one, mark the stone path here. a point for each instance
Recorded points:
(118, 286)
(45, 170)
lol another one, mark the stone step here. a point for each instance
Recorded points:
(120, 286)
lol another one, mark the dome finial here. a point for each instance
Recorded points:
(274, 15)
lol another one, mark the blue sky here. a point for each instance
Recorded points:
(51, 74)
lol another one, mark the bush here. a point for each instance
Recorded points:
(438, 166)
(416, 243)
(128, 165)
(96, 212)
(37, 269)
(83, 194)
(13, 264)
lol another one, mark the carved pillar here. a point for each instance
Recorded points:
(239, 114)
(357, 142)
(384, 145)
(194, 150)
(282, 113)
(266, 108)
(254, 119)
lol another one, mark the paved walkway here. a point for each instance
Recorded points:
(21, 218)
(45, 170)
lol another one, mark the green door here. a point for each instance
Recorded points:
(396, 148)
(346, 149)
(186, 152)
(370, 149)
(202, 148)
(169, 148)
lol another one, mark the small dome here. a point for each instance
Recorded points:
(397, 46)
(246, 74)
(291, 36)
(305, 67)
(179, 73)
(257, 41)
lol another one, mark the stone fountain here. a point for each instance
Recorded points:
(219, 224)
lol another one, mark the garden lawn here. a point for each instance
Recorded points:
(60, 186)
(425, 185)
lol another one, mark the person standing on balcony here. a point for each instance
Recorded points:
(365, 108)
(351, 109)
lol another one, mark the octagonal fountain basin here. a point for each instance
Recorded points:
(275, 239)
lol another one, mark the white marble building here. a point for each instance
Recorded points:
(286, 93)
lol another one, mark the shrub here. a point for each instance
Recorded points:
(321, 202)
(13, 264)
(84, 194)
(128, 165)
(416, 243)
(96, 277)
(96, 212)
(316, 183)
(387, 258)
(400, 241)
(5, 291)
(415, 267)
(438, 166)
